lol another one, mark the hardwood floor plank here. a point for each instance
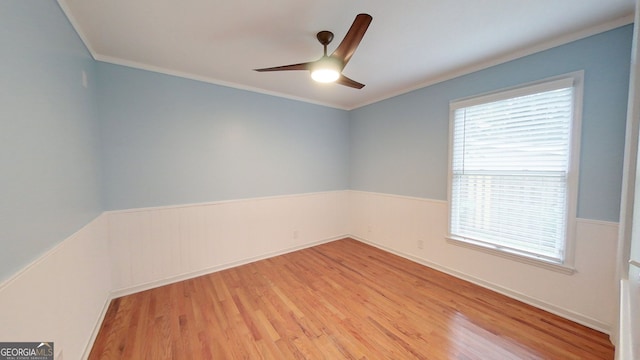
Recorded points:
(341, 300)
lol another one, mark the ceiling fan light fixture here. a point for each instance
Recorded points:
(325, 75)
(329, 67)
(326, 70)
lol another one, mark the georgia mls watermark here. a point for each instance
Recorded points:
(26, 350)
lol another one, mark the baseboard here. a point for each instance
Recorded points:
(578, 318)
(154, 284)
(96, 328)
(565, 313)
(173, 279)
(624, 345)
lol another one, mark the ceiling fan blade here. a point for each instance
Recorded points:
(302, 66)
(351, 41)
(343, 80)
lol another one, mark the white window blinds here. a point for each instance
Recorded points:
(509, 170)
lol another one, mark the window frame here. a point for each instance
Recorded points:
(577, 80)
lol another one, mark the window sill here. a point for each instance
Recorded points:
(561, 268)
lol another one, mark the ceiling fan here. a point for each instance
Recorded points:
(329, 68)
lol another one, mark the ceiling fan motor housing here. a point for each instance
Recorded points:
(325, 37)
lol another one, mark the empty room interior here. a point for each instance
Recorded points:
(463, 188)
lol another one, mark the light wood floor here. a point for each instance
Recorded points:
(341, 300)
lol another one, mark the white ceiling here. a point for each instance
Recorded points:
(410, 43)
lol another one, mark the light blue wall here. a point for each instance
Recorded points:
(400, 145)
(48, 142)
(169, 140)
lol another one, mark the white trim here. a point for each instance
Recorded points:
(438, 78)
(598, 222)
(624, 345)
(561, 268)
(628, 193)
(510, 56)
(173, 279)
(548, 84)
(562, 312)
(406, 197)
(573, 79)
(220, 202)
(92, 237)
(208, 80)
(96, 327)
(445, 202)
(114, 293)
(46, 255)
(573, 179)
(76, 26)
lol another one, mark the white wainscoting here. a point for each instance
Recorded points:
(62, 296)
(588, 296)
(157, 246)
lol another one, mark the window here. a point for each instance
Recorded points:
(513, 170)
